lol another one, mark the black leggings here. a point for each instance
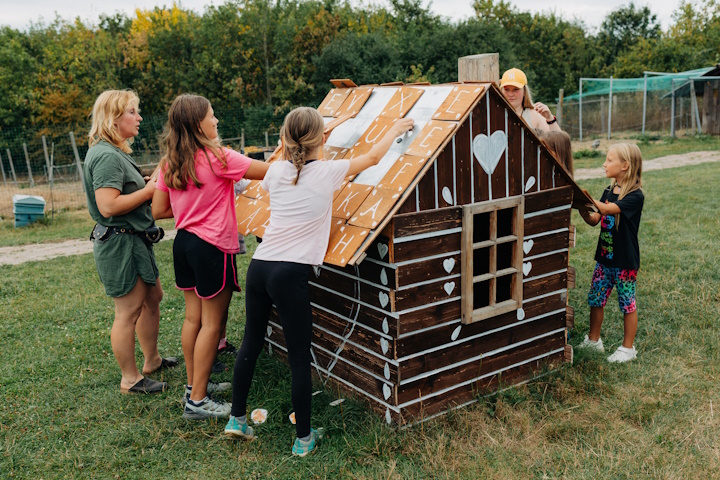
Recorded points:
(285, 285)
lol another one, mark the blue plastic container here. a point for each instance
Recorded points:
(27, 209)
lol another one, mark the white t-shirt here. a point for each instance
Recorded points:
(300, 215)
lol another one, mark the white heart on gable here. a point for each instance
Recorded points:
(527, 246)
(488, 150)
(449, 264)
(447, 195)
(456, 333)
(382, 250)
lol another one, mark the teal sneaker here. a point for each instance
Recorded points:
(302, 449)
(239, 429)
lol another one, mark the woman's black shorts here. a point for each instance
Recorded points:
(202, 267)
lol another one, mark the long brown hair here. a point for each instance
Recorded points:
(558, 142)
(109, 106)
(302, 132)
(181, 139)
(632, 180)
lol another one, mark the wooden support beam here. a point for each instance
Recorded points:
(479, 68)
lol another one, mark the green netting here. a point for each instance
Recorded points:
(655, 82)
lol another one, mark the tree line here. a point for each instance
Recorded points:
(256, 59)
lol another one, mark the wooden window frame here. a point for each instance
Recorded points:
(468, 278)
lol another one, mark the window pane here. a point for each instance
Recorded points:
(505, 224)
(505, 254)
(481, 295)
(481, 261)
(504, 288)
(481, 227)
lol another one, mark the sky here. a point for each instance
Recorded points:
(20, 13)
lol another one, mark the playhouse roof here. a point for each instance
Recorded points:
(358, 116)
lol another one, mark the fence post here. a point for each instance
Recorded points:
(693, 99)
(644, 101)
(12, 167)
(610, 110)
(267, 140)
(77, 160)
(580, 109)
(558, 112)
(672, 108)
(47, 158)
(242, 139)
(2, 169)
(27, 161)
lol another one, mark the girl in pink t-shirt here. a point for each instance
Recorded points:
(301, 193)
(195, 185)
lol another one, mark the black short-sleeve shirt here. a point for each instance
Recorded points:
(618, 244)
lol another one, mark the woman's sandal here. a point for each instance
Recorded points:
(168, 362)
(146, 385)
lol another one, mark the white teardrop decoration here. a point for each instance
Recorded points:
(388, 417)
(529, 184)
(269, 331)
(520, 314)
(383, 297)
(456, 333)
(387, 371)
(385, 326)
(386, 391)
(383, 277)
(447, 195)
(384, 345)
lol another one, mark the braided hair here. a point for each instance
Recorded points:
(302, 133)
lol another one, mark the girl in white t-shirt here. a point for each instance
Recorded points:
(195, 185)
(301, 194)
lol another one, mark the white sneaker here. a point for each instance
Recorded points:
(206, 408)
(589, 344)
(623, 354)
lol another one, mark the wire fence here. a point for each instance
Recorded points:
(48, 161)
(684, 107)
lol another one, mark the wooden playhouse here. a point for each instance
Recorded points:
(447, 274)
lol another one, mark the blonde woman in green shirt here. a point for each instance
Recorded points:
(118, 199)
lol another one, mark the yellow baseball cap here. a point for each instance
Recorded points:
(514, 77)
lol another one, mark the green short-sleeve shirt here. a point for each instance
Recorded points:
(124, 257)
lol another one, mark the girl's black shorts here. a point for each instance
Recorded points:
(202, 267)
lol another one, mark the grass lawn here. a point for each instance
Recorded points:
(61, 413)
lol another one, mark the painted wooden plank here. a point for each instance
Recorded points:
(441, 359)
(446, 177)
(545, 244)
(252, 215)
(429, 315)
(370, 272)
(374, 208)
(333, 101)
(381, 346)
(370, 294)
(344, 242)
(547, 199)
(569, 317)
(464, 161)
(431, 292)
(333, 153)
(408, 206)
(349, 199)
(373, 134)
(373, 318)
(401, 102)
(433, 336)
(424, 270)
(516, 185)
(500, 178)
(544, 264)
(480, 123)
(551, 283)
(546, 223)
(428, 221)
(422, 387)
(426, 193)
(425, 247)
(431, 138)
(458, 102)
(354, 102)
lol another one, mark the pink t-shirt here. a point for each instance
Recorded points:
(209, 211)
(300, 215)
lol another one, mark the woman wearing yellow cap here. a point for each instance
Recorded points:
(514, 87)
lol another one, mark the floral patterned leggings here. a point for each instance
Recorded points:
(603, 281)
